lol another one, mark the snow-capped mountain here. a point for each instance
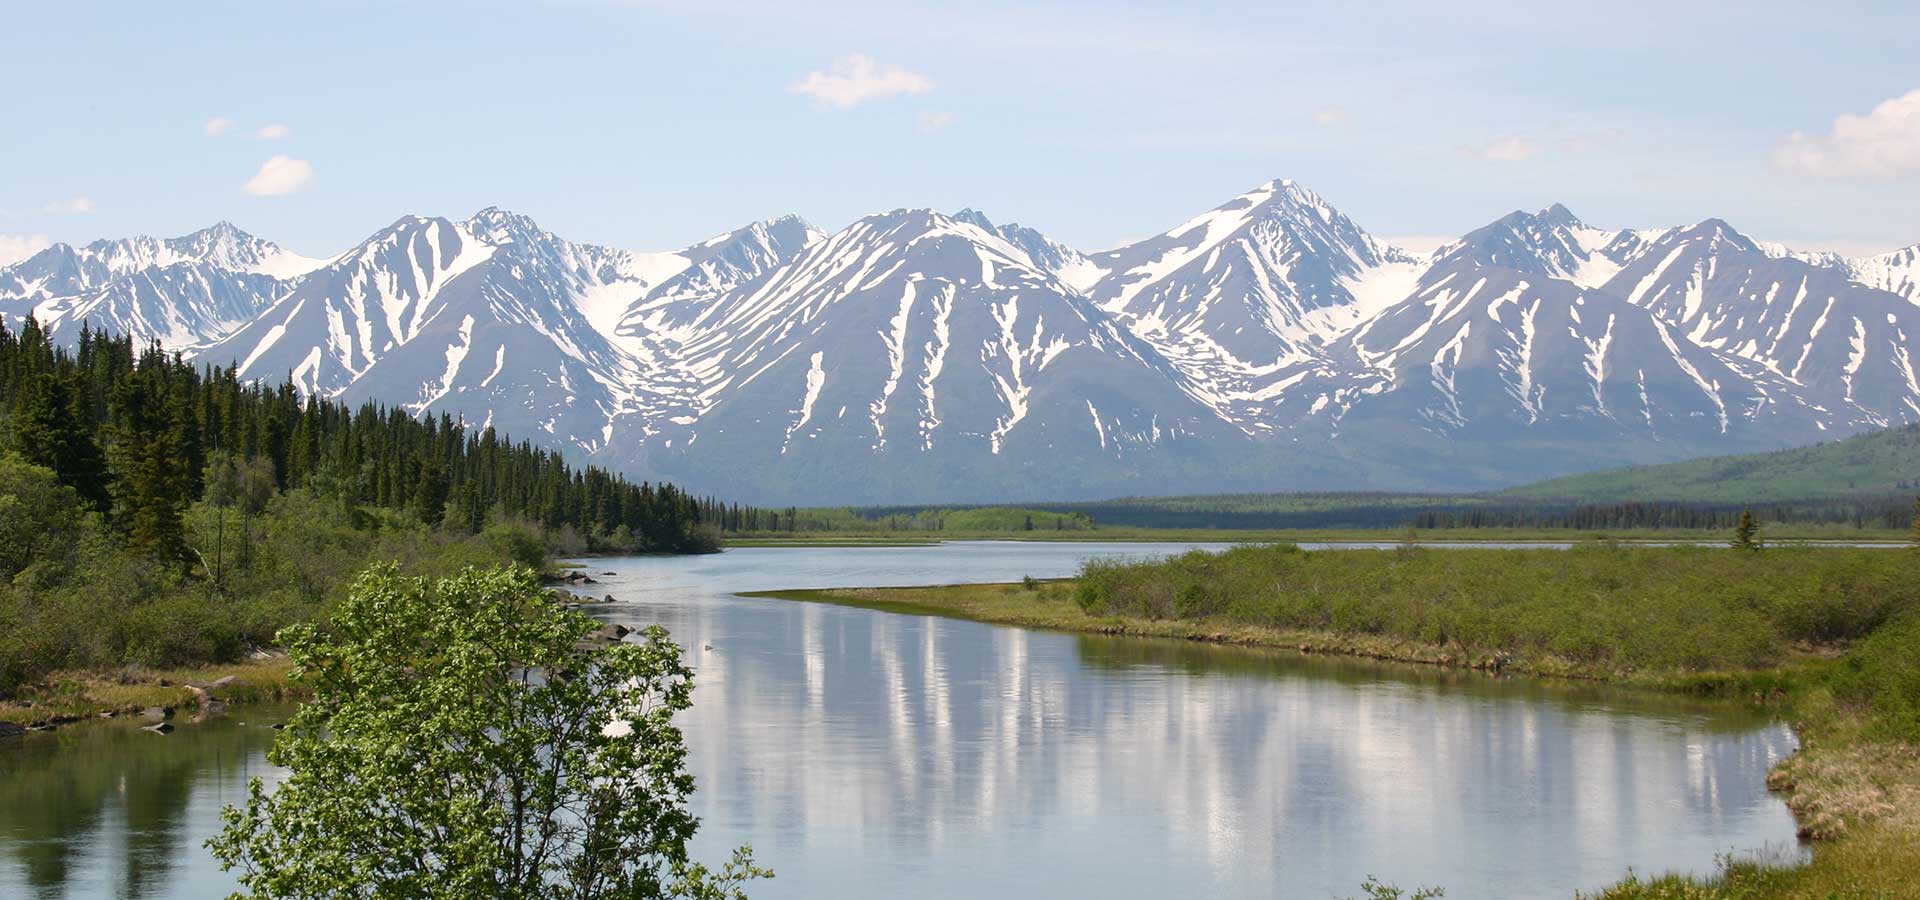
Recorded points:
(1551, 243)
(914, 349)
(1896, 272)
(180, 291)
(1270, 343)
(1846, 348)
(1048, 255)
(681, 297)
(1240, 298)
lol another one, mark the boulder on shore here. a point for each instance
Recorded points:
(157, 713)
(611, 632)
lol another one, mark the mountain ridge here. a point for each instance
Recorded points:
(1269, 343)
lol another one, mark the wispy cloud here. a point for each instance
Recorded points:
(857, 78)
(929, 121)
(1510, 149)
(16, 247)
(1884, 143)
(273, 132)
(279, 176)
(1330, 116)
(217, 126)
(70, 206)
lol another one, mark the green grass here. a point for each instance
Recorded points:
(1879, 463)
(1597, 606)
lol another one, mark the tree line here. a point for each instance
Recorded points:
(133, 429)
(1437, 511)
(735, 518)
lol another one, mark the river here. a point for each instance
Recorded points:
(869, 754)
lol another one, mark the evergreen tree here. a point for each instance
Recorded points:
(1745, 534)
(50, 430)
(430, 495)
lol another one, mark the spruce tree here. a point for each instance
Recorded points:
(1745, 533)
(51, 430)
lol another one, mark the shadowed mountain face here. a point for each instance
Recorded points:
(1268, 344)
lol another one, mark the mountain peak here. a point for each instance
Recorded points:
(973, 216)
(1559, 216)
(1715, 230)
(496, 225)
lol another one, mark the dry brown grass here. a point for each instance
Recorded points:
(1835, 789)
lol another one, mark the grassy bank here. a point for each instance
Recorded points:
(84, 694)
(1827, 638)
(1779, 533)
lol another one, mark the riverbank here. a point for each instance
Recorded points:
(1783, 534)
(1049, 604)
(74, 695)
(1829, 651)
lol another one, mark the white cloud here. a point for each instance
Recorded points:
(930, 122)
(16, 247)
(217, 126)
(1510, 149)
(273, 132)
(73, 206)
(280, 175)
(1884, 143)
(856, 78)
(1330, 116)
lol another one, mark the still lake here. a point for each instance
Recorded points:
(870, 754)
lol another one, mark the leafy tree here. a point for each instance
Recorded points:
(40, 520)
(468, 739)
(1745, 534)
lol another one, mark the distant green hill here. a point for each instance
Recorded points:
(1877, 463)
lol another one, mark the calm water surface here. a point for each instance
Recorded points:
(869, 754)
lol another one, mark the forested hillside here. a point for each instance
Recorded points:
(133, 431)
(1879, 463)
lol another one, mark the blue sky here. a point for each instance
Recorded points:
(651, 124)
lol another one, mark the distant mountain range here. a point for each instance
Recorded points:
(918, 356)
